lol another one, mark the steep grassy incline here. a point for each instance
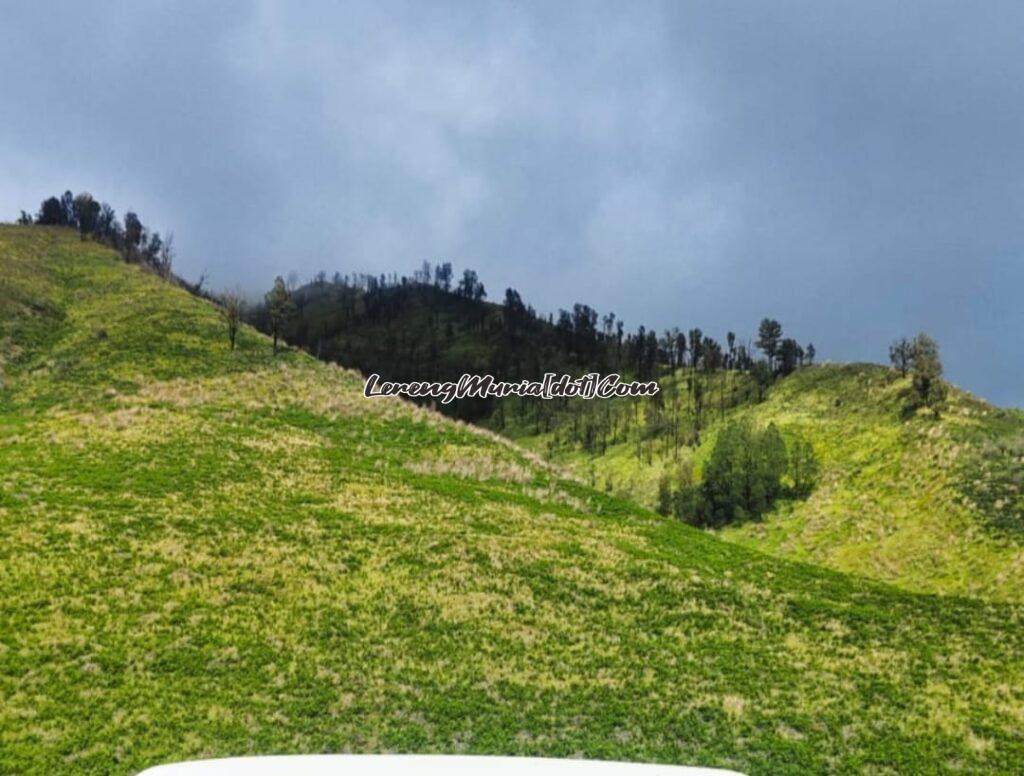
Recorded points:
(933, 506)
(900, 500)
(205, 553)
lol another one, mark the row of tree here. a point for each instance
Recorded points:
(430, 326)
(919, 357)
(98, 221)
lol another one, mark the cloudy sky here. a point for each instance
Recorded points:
(854, 169)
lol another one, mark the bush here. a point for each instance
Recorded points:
(664, 495)
(803, 467)
(744, 476)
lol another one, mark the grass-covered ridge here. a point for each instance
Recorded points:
(933, 506)
(896, 501)
(205, 553)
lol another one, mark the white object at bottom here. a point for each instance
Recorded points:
(419, 765)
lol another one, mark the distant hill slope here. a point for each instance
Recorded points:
(900, 501)
(209, 553)
(408, 331)
(933, 506)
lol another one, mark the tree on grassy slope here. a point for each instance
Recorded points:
(51, 213)
(804, 469)
(791, 356)
(929, 388)
(231, 312)
(133, 231)
(762, 374)
(87, 211)
(769, 334)
(743, 476)
(901, 355)
(279, 308)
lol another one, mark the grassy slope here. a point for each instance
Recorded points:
(891, 505)
(205, 553)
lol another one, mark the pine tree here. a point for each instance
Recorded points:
(769, 334)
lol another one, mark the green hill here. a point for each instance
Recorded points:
(209, 553)
(933, 506)
(412, 329)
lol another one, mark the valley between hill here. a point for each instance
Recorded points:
(929, 505)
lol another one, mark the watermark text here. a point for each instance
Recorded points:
(552, 386)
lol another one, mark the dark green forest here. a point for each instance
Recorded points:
(431, 326)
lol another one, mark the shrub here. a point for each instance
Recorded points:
(744, 476)
(803, 467)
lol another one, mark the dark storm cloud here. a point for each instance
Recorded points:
(854, 170)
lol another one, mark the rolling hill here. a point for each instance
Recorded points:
(932, 506)
(206, 552)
